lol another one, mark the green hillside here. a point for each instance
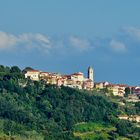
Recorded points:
(36, 111)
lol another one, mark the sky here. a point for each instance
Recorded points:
(67, 36)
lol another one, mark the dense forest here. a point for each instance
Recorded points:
(36, 111)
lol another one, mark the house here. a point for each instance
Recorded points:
(134, 118)
(60, 82)
(113, 89)
(116, 90)
(33, 75)
(133, 98)
(121, 89)
(123, 117)
(44, 75)
(88, 84)
(79, 76)
(136, 91)
(101, 85)
(137, 118)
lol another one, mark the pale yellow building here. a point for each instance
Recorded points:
(123, 117)
(33, 75)
(79, 76)
(132, 118)
(44, 75)
(116, 90)
(101, 85)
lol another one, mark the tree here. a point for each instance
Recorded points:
(137, 104)
(15, 69)
(4, 69)
(124, 127)
(27, 69)
(127, 91)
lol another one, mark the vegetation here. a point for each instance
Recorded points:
(92, 130)
(36, 111)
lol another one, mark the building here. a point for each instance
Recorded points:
(79, 76)
(136, 91)
(133, 98)
(88, 84)
(101, 85)
(33, 75)
(123, 117)
(132, 118)
(121, 89)
(44, 75)
(116, 90)
(90, 73)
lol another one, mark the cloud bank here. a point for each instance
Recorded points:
(26, 40)
(7, 40)
(119, 44)
(29, 41)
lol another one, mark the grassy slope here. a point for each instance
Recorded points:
(92, 130)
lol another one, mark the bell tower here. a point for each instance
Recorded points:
(90, 73)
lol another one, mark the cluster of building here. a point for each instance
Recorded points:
(118, 89)
(115, 89)
(75, 80)
(134, 118)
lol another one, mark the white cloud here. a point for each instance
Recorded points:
(79, 44)
(117, 46)
(27, 40)
(133, 32)
(7, 40)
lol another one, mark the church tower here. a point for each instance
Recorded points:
(90, 73)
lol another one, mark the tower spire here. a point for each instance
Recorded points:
(90, 73)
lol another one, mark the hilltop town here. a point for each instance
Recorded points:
(77, 80)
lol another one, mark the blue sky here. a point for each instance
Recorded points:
(69, 35)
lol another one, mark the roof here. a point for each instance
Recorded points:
(33, 71)
(78, 73)
(45, 72)
(122, 85)
(88, 80)
(122, 116)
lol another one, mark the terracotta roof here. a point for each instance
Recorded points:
(112, 85)
(78, 73)
(33, 71)
(89, 80)
(45, 72)
(122, 85)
